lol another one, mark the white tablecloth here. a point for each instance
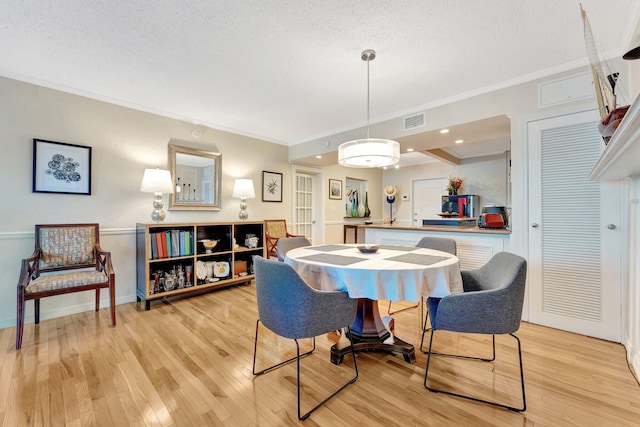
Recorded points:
(395, 273)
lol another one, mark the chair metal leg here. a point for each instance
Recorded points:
(435, 390)
(271, 368)
(459, 356)
(351, 381)
(402, 309)
(297, 358)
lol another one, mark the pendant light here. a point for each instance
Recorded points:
(369, 152)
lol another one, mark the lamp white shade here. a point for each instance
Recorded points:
(243, 188)
(369, 153)
(156, 181)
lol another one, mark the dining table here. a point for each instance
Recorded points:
(369, 274)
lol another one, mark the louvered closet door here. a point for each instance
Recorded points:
(574, 235)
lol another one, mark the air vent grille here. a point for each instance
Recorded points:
(414, 121)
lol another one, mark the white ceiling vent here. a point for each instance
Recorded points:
(414, 121)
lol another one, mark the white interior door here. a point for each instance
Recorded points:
(427, 198)
(304, 200)
(574, 230)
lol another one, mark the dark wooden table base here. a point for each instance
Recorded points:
(369, 333)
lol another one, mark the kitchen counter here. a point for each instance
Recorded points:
(475, 246)
(445, 228)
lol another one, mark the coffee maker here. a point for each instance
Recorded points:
(462, 206)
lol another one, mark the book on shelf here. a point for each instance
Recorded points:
(168, 239)
(162, 246)
(170, 243)
(183, 251)
(175, 243)
(153, 253)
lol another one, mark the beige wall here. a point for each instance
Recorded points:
(124, 142)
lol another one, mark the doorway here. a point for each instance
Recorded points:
(307, 204)
(427, 198)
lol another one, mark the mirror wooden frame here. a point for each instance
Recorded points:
(197, 190)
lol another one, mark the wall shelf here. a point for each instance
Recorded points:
(620, 157)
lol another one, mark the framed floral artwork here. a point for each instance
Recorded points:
(335, 189)
(59, 167)
(271, 186)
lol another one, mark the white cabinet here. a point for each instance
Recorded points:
(474, 248)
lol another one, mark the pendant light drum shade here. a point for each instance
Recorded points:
(369, 153)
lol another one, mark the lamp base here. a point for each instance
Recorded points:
(243, 214)
(158, 215)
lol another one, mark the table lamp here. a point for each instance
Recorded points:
(243, 190)
(157, 181)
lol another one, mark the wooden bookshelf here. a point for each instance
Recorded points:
(172, 259)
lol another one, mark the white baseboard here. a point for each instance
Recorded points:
(65, 311)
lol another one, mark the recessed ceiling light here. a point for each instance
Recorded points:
(444, 130)
(397, 166)
(318, 157)
(459, 141)
(409, 150)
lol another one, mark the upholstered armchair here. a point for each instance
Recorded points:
(491, 304)
(68, 252)
(287, 243)
(275, 229)
(443, 244)
(290, 308)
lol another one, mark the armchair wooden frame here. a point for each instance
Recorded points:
(32, 266)
(275, 229)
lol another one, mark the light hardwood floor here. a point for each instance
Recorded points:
(188, 363)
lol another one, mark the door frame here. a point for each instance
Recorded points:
(318, 200)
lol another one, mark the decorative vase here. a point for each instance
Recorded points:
(361, 209)
(453, 192)
(354, 209)
(367, 211)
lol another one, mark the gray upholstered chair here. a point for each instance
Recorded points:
(443, 244)
(288, 307)
(490, 304)
(285, 244)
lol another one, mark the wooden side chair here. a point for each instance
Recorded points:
(275, 229)
(68, 251)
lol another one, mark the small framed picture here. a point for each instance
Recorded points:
(59, 167)
(335, 189)
(271, 186)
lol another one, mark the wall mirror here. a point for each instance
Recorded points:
(197, 178)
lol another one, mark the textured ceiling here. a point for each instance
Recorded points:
(289, 71)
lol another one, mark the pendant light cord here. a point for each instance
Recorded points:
(368, 102)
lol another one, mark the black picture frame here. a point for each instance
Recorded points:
(335, 189)
(271, 186)
(59, 167)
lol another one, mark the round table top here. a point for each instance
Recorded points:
(396, 273)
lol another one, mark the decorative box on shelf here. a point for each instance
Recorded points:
(177, 259)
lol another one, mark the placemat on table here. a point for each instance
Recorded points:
(328, 248)
(332, 259)
(398, 248)
(419, 259)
